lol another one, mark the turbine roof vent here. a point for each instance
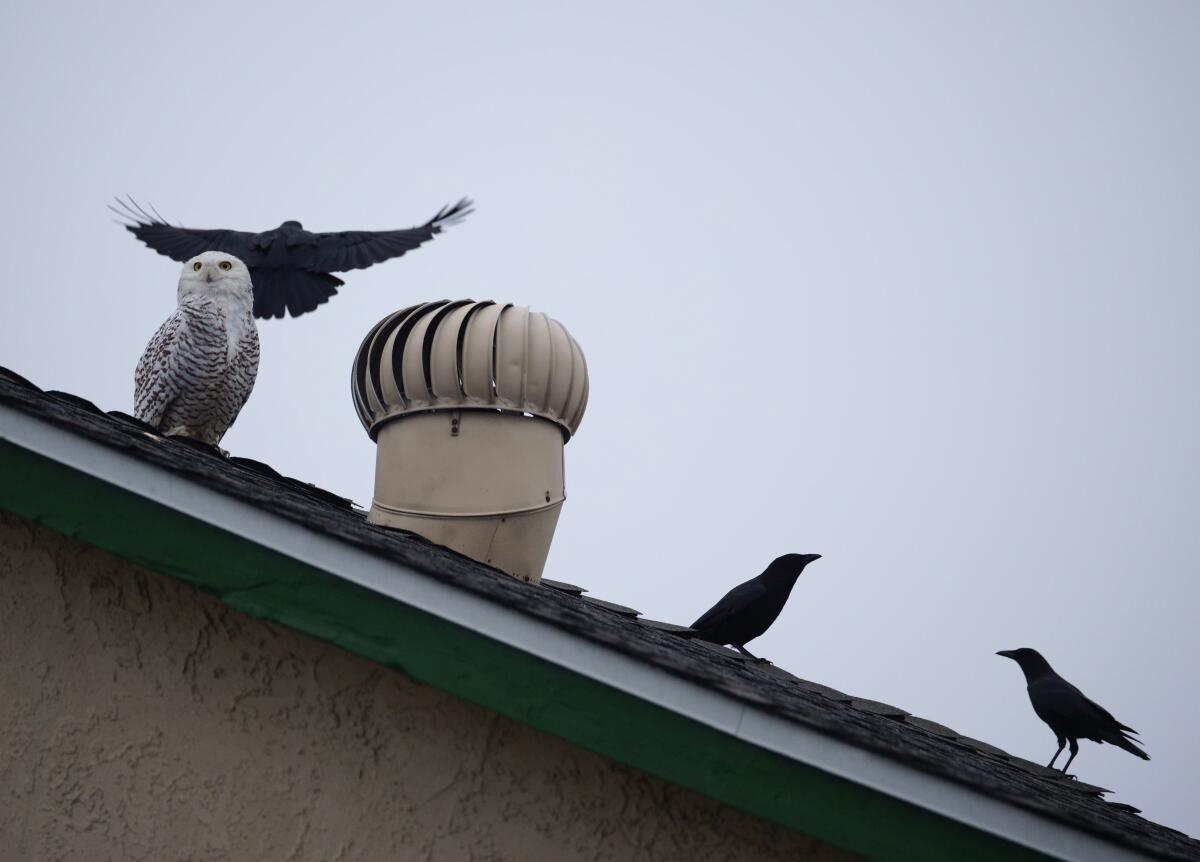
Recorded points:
(464, 354)
(470, 405)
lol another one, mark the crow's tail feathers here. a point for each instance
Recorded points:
(295, 292)
(1120, 740)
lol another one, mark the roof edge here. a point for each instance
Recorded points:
(687, 719)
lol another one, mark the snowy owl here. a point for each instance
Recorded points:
(199, 367)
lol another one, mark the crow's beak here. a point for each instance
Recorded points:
(1007, 653)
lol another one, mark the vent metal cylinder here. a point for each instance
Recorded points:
(470, 405)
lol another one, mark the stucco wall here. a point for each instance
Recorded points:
(142, 719)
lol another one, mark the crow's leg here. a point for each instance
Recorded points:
(1062, 743)
(1074, 751)
(740, 648)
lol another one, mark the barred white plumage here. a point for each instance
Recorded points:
(198, 369)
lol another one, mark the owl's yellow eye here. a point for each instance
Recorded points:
(196, 266)
(226, 265)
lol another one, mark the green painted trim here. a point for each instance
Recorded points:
(267, 584)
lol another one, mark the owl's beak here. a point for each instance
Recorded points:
(208, 275)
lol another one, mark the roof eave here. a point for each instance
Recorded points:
(269, 566)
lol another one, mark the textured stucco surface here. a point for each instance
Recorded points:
(142, 719)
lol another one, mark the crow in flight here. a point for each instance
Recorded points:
(289, 266)
(749, 609)
(1070, 715)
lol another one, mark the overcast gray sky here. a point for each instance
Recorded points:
(911, 286)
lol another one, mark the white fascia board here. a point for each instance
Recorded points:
(557, 646)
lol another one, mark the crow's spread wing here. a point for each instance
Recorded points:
(736, 601)
(300, 280)
(358, 249)
(184, 243)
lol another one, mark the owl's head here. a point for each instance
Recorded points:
(216, 275)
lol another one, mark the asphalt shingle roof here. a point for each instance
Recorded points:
(879, 727)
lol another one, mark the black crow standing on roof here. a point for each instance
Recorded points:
(289, 266)
(1070, 715)
(749, 609)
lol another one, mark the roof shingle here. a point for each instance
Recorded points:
(879, 727)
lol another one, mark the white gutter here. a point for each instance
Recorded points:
(558, 646)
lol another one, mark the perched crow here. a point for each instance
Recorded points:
(749, 609)
(1070, 715)
(289, 266)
